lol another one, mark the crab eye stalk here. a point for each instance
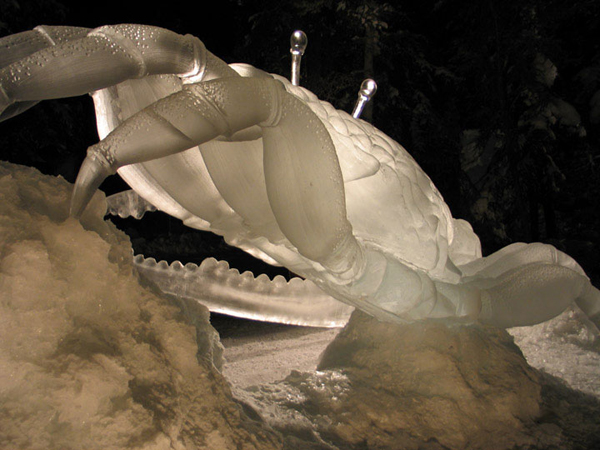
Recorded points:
(298, 43)
(366, 92)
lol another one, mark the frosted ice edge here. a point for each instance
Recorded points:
(224, 290)
(128, 204)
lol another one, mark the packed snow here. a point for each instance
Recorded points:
(431, 386)
(91, 359)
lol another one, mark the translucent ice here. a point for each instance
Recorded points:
(128, 204)
(285, 177)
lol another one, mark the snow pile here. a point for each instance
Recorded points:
(423, 385)
(89, 358)
(566, 347)
(459, 385)
(432, 385)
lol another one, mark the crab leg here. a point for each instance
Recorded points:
(62, 63)
(525, 284)
(303, 178)
(224, 290)
(21, 45)
(18, 46)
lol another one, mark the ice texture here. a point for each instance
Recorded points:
(360, 218)
(226, 291)
(88, 357)
(425, 265)
(285, 176)
(128, 204)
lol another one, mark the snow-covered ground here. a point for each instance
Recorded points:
(566, 350)
(566, 347)
(259, 353)
(91, 359)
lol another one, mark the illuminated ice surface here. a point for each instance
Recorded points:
(284, 176)
(89, 359)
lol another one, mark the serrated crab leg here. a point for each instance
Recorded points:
(227, 291)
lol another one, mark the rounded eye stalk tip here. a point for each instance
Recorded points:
(298, 44)
(367, 90)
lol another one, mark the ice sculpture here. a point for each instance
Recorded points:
(282, 175)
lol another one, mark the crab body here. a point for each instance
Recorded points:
(282, 175)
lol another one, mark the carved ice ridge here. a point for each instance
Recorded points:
(225, 290)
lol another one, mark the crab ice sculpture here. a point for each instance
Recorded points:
(282, 175)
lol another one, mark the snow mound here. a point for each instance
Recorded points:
(426, 385)
(567, 347)
(88, 357)
(459, 385)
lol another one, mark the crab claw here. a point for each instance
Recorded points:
(93, 172)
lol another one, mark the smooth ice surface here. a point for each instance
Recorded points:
(226, 291)
(89, 359)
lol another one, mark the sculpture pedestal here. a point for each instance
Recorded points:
(464, 386)
(425, 385)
